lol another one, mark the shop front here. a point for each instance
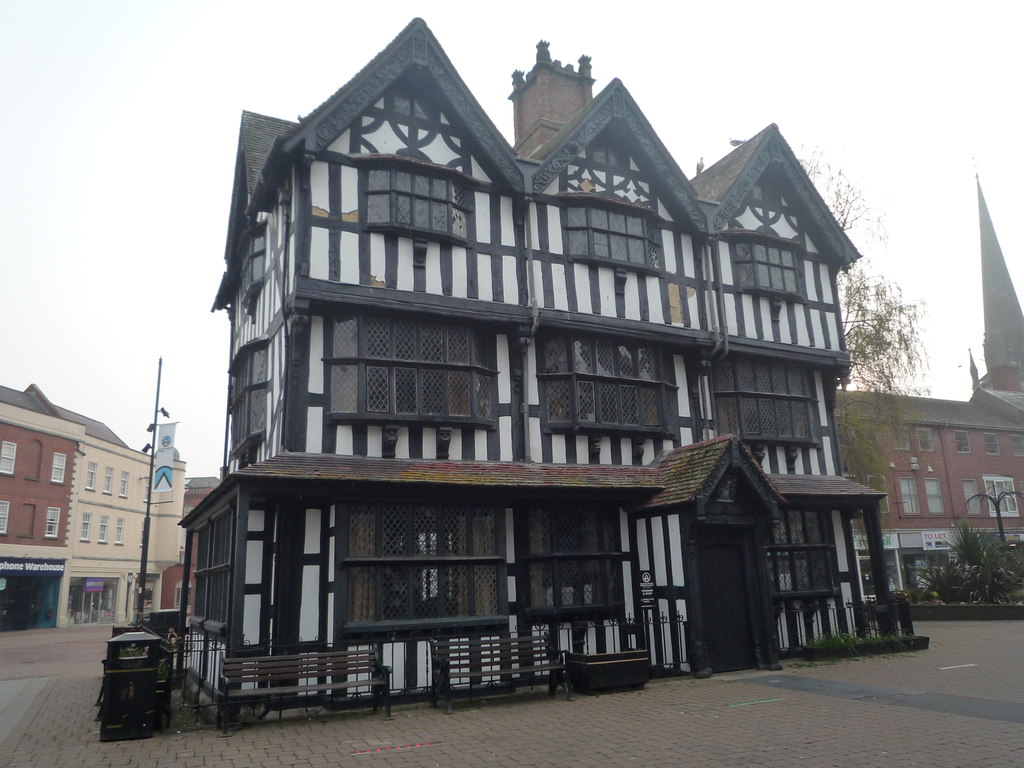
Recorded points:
(891, 543)
(92, 599)
(28, 592)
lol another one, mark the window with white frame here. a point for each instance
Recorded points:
(933, 494)
(108, 480)
(119, 531)
(57, 470)
(991, 443)
(963, 440)
(124, 485)
(908, 492)
(925, 439)
(1017, 441)
(52, 522)
(996, 486)
(972, 503)
(5, 510)
(101, 534)
(902, 442)
(90, 476)
(86, 526)
(8, 452)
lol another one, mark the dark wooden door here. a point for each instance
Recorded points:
(725, 605)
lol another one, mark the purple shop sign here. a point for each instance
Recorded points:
(94, 585)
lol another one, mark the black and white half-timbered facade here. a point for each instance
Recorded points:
(478, 389)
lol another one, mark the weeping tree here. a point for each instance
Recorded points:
(881, 330)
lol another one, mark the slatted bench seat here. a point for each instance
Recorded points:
(513, 659)
(294, 680)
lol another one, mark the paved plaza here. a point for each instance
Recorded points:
(960, 703)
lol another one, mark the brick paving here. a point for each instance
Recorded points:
(724, 721)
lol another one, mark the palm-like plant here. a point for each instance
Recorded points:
(980, 570)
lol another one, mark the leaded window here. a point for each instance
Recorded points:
(574, 560)
(800, 553)
(389, 367)
(249, 395)
(409, 563)
(770, 266)
(400, 198)
(612, 235)
(213, 569)
(761, 400)
(601, 382)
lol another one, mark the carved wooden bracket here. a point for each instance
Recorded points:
(390, 441)
(444, 441)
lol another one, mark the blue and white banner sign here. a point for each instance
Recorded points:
(163, 473)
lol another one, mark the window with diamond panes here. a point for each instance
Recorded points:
(800, 553)
(409, 368)
(574, 561)
(769, 266)
(249, 402)
(401, 198)
(614, 236)
(762, 400)
(600, 382)
(410, 563)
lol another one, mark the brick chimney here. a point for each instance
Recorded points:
(547, 99)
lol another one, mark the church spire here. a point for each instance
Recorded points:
(1004, 322)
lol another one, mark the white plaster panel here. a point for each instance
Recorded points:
(504, 380)
(833, 330)
(815, 464)
(378, 269)
(766, 319)
(653, 287)
(785, 335)
(342, 143)
(668, 248)
(309, 610)
(511, 588)
(374, 442)
(605, 457)
(483, 277)
(531, 216)
(837, 526)
(730, 314)
(536, 438)
(405, 262)
(319, 265)
(257, 519)
(747, 303)
(349, 258)
(554, 230)
(384, 139)
(689, 267)
(429, 446)
(658, 553)
(558, 449)
(725, 263)
(433, 269)
(632, 297)
(505, 438)
(311, 544)
(582, 450)
(643, 550)
(692, 301)
(802, 337)
(819, 336)
(675, 545)
(251, 622)
(460, 283)
(483, 217)
(826, 448)
(402, 443)
(480, 446)
(343, 444)
(509, 279)
(349, 189)
(316, 346)
(682, 386)
(826, 284)
(438, 151)
(532, 390)
(536, 290)
(606, 288)
(812, 289)
(582, 276)
(558, 287)
(455, 446)
(748, 220)
(319, 188)
(476, 171)
(314, 429)
(508, 230)
(253, 562)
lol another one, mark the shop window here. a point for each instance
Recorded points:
(760, 400)
(574, 561)
(399, 198)
(611, 235)
(602, 383)
(409, 564)
(800, 554)
(963, 440)
(406, 369)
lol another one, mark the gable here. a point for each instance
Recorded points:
(641, 170)
(415, 68)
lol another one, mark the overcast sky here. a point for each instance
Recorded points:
(120, 124)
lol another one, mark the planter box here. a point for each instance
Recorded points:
(924, 612)
(869, 648)
(593, 672)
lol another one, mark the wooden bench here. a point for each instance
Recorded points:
(512, 659)
(292, 681)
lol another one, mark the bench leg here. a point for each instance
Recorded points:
(446, 695)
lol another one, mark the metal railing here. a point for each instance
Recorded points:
(796, 625)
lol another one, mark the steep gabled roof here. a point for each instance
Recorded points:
(728, 183)
(256, 137)
(615, 105)
(415, 48)
(1004, 322)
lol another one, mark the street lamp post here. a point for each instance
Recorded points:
(140, 601)
(996, 501)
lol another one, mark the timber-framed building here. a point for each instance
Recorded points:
(480, 388)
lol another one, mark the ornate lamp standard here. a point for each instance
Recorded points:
(996, 501)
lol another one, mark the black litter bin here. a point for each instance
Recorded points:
(129, 709)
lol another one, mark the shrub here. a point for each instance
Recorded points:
(980, 570)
